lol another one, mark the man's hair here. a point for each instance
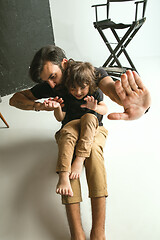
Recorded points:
(50, 53)
(81, 74)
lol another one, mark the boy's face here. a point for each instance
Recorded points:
(52, 74)
(79, 92)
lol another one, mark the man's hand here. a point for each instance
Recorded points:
(91, 103)
(134, 97)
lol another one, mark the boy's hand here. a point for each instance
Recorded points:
(91, 103)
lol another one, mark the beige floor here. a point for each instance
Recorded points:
(29, 207)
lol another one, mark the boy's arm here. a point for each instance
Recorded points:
(91, 103)
(101, 108)
(59, 114)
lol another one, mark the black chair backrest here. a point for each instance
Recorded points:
(107, 5)
(136, 2)
(119, 0)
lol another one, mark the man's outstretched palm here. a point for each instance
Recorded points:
(134, 96)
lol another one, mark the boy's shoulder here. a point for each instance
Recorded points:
(98, 94)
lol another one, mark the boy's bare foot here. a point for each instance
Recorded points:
(64, 186)
(76, 167)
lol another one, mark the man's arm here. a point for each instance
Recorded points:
(107, 85)
(130, 92)
(25, 100)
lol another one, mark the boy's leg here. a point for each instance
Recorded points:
(74, 221)
(66, 139)
(88, 129)
(63, 185)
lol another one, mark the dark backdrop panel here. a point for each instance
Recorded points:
(25, 26)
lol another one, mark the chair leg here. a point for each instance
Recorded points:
(123, 47)
(4, 120)
(109, 48)
(120, 43)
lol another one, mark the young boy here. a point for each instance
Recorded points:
(81, 113)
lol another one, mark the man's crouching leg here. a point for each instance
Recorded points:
(72, 205)
(97, 184)
(98, 218)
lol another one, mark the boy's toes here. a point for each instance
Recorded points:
(58, 190)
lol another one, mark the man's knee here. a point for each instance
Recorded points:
(96, 148)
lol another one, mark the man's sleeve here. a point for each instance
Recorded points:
(100, 74)
(42, 90)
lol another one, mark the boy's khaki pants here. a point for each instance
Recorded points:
(94, 163)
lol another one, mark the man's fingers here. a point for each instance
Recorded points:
(118, 116)
(132, 80)
(125, 82)
(119, 90)
(138, 80)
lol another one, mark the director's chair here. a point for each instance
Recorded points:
(113, 65)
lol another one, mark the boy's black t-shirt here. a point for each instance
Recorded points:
(43, 90)
(72, 107)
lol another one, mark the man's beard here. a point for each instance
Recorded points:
(62, 84)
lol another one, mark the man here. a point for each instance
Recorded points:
(48, 70)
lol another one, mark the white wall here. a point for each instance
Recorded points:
(75, 33)
(131, 153)
(29, 207)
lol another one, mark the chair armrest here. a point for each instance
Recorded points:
(100, 5)
(140, 2)
(144, 8)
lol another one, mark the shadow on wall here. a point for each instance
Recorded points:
(29, 206)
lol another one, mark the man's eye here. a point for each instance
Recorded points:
(52, 77)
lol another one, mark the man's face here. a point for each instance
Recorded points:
(51, 74)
